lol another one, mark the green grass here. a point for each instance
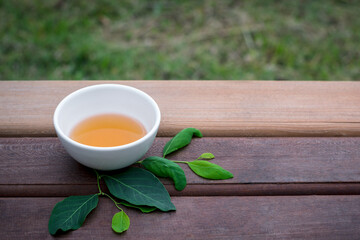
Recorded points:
(183, 39)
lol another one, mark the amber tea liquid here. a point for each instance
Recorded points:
(108, 130)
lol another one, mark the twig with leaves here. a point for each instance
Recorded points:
(137, 188)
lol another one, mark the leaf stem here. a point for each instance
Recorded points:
(179, 161)
(116, 203)
(98, 177)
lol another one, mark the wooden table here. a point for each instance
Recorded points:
(293, 147)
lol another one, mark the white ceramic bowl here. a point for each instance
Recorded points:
(102, 99)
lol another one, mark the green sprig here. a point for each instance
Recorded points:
(132, 187)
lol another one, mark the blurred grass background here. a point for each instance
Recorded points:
(180, 39)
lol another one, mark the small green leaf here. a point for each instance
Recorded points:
(71, 212)
(206, 156)
(209, 170)
(120, 222)
(162, 167)
(144, 209)
(182, 139)
(139, 187)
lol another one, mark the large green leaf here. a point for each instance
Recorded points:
(144, 209)
(120, 222)
(139, 187)
(182, 139)
(209, 170)
(162, 167)
(71, 212)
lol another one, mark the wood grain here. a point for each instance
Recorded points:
(261, 166)
(300, 217)
(217, 108)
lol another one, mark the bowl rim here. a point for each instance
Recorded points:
(69, 97)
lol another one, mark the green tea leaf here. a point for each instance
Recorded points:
(120, 222)
(144, 209)
(162, 167)
(71, 212)
(206, 156)
(182, 139)
(209, 170)
(139, 187)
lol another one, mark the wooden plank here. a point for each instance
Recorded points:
(300, 217)
(261, 166)
(218, 108)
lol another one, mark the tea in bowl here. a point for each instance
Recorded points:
(107, 126)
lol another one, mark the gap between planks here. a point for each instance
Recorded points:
(284, 189)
